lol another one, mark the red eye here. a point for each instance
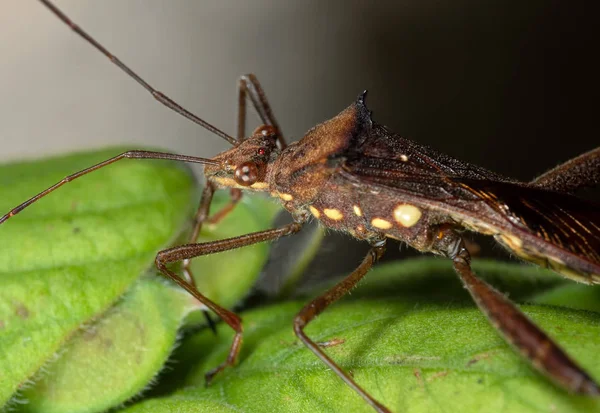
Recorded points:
(261, 151)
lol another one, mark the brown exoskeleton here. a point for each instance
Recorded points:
(356, 176)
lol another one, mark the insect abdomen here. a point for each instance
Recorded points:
(346, 208)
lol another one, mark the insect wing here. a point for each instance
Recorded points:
(553, 229)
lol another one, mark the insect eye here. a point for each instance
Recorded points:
(265, 130)
(246, 174)
(261, 151)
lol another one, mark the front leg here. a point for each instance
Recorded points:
(202, 216)
(189, 251)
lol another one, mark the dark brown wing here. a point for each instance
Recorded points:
(544, 219)
(550, 228)
(568, 222)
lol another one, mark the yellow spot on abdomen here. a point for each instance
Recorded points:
(334, 214)
(381, 223)
(286, 197)
(315, 212)
(407, 215)
(357, 210)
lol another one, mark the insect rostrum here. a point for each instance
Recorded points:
(356, 176)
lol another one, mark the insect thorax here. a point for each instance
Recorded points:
(308, 177)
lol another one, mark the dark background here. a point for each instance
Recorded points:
(511, 86)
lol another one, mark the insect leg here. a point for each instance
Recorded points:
(319, 304)
(201, 217)
(581, 171)
(543, 353)
(248, 85)
(125, 155)
(189, 251)
(234, 199)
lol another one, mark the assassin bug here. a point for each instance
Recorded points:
(356, 176)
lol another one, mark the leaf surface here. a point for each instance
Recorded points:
(409, 335)
(85, 321)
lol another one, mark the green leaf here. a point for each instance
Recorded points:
(70, 286)
(110, 360)
(409, 335)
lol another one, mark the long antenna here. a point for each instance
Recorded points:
(161, 97)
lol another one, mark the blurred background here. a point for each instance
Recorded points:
(511, 86)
